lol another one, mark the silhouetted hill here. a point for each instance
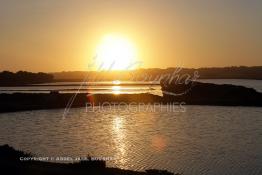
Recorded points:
(31, 101)
(23, 78)
(210, 94)
(152, 74)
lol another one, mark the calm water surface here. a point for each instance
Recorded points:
(125, 87)
(202, 140)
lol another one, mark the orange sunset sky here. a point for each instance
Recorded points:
(63, 35)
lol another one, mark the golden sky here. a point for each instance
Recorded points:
(63, 35)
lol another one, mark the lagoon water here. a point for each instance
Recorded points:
(125, 87)
(200, 141)
(104, 87)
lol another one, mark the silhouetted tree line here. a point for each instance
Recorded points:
(24, 78)
(234, 72)
(241, 72)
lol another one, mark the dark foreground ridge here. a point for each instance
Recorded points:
(197, 93)
(194, 93)
(10, 164)
(35, 101)
(24, 78)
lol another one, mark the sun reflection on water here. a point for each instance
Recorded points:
(119, 139)
(116, 90)
(116, 82)
(159, 143)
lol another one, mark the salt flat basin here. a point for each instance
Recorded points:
(200, 140)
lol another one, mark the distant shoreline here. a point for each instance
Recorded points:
(78, 82)
(19, 78)
(194, 93)
(233, 72)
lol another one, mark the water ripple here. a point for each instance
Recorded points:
(203, 140)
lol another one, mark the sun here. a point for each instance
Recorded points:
(116, 53)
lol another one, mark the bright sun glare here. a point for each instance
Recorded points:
(116, 53)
